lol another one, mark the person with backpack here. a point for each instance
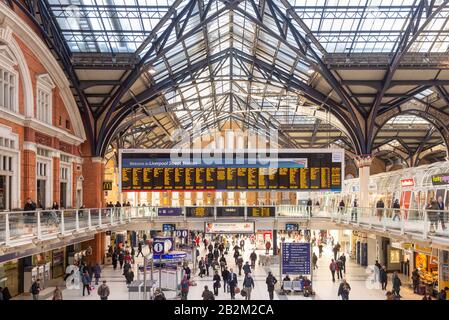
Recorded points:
(184, 288)
(253, 258)
(343, 290)
(207, 294)
(35, 289)
(397, 283)
(333, 268)
(86, 280)
(271, 282)
(103, 291)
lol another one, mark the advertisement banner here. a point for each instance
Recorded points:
(229, 227)
(440, 179)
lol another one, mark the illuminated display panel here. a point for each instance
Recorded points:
(300, 170)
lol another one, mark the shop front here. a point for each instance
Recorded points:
(359, 247)
(426, 261)
(262, 237)
(444, 271)
(400, 257)
(9, 276)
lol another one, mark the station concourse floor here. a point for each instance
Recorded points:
(359, 278)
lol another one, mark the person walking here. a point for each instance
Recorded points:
(217, 282)
(35, 289)
(187, 271)
(57, 294)
(441, 216)
(207, 294)
(202, 267)
(242, 244)
(314, 261)
(253, 258)
(225, 276)
(432, 214)
(246, 268)
(139, 249)
(309, 207)
(396, 284)
(339, 269)
(320, 249)
(233, 282)
(129, 277)
(333, 268)
(396, 210)
(271, 282)
(354, 211)
(184, 288)
(380, 205)
(383, 277)
(343, 260)
(267, 247)
(336, 250)
(344, 289)
(377, 268)
(121, 259)
(103, 291)
(415, 280)
(240, 264)
(248, 285)
(114, 260)
(86, 280)
(97, 273)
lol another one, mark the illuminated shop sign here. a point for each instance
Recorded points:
(440, 179)
(407, 182)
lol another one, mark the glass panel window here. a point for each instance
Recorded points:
(44, 106)
(8, 90)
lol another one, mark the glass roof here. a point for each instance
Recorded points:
(342, 26)
(407, 120)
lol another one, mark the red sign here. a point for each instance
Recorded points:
(407, 182)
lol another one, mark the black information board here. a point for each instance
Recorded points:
(199, 212)
(155, 170)
(261, 212)
(230, 211)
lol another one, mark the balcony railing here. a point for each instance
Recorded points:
(18, 227)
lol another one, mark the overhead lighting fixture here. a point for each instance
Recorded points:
(311, 71)
(151, 70)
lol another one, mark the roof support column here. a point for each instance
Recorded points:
(363, 162)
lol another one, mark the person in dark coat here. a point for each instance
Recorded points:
(415, 280)
(114, 260)
(271, 282)
(383, 278)
(97, 273)
(130, 276)
(225, 276)
(246, 268)
(121, 258)
(207, 294)
(344, 289)
(396, 284)
(233, 282)
(217, 282)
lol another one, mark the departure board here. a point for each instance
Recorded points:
(261, 212)
(289, 169)
(199, 212)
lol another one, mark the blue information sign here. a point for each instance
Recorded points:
(169, 212)
(296, 258)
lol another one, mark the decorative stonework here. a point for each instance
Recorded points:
(5, 34)
(43, 139)
(363, 161)
(65, 147)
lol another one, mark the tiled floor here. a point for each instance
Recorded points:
(358, 277)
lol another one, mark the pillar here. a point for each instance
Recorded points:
(93, 170)
(363, 164)
(98, 248)
(56, 179)
(28, 176)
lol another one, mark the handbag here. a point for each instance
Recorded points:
(237, 290)
(243, 293)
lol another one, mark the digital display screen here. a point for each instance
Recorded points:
(261, 212)
(199, 212)
(299, 170)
